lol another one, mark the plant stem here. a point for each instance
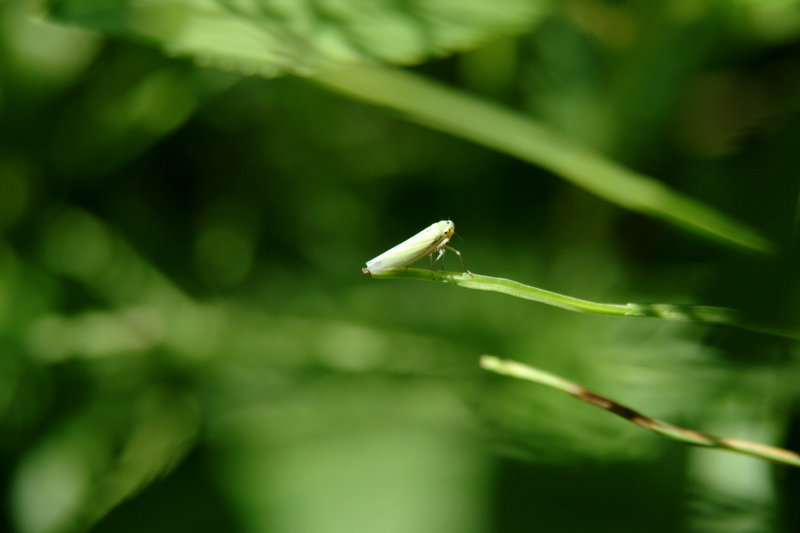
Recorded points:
(688, 436)
(704, 314)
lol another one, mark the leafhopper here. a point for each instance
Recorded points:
(431, 240)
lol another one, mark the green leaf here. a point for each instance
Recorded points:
(340, 42)
(469, 117)
(271, 37)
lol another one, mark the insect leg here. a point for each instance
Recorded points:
(459, 256)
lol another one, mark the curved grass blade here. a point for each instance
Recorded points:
(688, 436)
(463, 115)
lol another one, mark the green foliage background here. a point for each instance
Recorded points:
(189, 188)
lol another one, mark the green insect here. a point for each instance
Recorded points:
(431, 240)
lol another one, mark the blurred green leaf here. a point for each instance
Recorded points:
(273, 37)
(483, 122)
(83, 470)
(315, 38)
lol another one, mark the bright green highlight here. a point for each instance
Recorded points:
(274, 37)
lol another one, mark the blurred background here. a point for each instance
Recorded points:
(188, 343)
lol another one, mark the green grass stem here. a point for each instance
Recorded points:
(704, 314)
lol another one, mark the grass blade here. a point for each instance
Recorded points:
(704, 314)
(688, 436)
(461, 114)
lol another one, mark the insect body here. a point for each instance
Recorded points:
(431, 240)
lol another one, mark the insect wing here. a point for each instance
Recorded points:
(413, 249)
